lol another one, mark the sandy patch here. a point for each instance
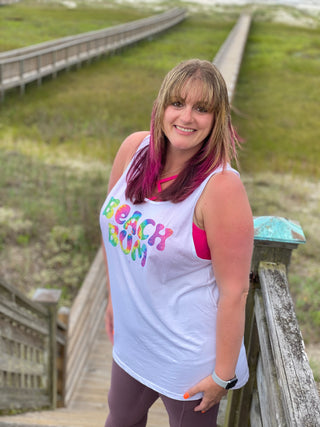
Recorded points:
(285, 17)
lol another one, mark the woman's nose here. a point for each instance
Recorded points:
(186, 114)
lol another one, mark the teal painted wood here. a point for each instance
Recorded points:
(278, 229)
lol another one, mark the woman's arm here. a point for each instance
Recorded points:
(121, 161)
(227, 219)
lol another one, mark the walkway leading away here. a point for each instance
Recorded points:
(88, 405)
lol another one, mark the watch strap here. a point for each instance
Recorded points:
(225, 384)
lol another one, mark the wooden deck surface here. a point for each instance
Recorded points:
(89, 407)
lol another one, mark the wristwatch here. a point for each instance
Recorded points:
(225, 384)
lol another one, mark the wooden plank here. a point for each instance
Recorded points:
(267, 381)
(21, 335)
(87, 325)
(9, 293)
(74, 374)
(239, 401)
(255, 414)
(26, 319)
(252, 348)
(18, 365)
(299, 395)
(84, 320)
(17, 398)
(229, 57)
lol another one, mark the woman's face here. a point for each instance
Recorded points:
(187, 122)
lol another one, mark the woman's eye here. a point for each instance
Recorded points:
(201, 109)
(177, 104)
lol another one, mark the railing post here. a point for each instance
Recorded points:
(1, 83)
(22, 84)
(54, 64)
(50, 298)
(79, 55)
(274, 240)
(39, 79)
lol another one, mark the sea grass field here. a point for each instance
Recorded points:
(57, 141)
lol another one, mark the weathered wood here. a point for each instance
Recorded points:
(84, 320)
(267, 382)
(298, 392)
(284, 392)
(255, 414)
(253, 349)
(274, 240)
(50, 298)
(239, 401)
(25, 351)
(62, 323)
(89, 407)
(229, 57)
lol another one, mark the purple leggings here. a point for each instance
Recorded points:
(129, 403)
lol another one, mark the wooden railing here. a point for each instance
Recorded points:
(281, 391)
(84, 321)
(21, 66)
(32, 343)
(5, 2)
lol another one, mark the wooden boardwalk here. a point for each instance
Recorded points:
(89, 407)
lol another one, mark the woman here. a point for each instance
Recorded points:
(178, 233)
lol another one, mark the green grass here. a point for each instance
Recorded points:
(30, 21)
(56, 145)
(89, 112)
(48, 221)
(58, 140)
(279, 119)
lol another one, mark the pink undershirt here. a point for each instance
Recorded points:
(199, 235)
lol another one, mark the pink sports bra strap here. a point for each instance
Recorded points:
(199, 235)
(161, 181)
(200, 242)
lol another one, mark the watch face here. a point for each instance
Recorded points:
(231, 383)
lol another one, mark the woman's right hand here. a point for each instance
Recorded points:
(109, 320)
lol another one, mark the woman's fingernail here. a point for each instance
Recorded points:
(186, 396)
(202, 412)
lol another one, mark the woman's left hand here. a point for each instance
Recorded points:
(212, 393)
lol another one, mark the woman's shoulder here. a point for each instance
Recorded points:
(131, 144)
(225, 185)
(224, 193)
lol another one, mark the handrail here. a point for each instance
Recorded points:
(21, 66)
(84, 321)
(281, 390)
(29, 339)
(6, 2)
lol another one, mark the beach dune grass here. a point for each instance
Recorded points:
(31, 22)
(62, 137)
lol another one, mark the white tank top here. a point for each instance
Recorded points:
(164, 296)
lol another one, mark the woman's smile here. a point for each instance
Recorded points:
(186, 122)
(184, 129)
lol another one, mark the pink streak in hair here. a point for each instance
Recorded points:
(153, 163)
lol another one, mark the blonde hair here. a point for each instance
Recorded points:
(214, 96)
(218, 149)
